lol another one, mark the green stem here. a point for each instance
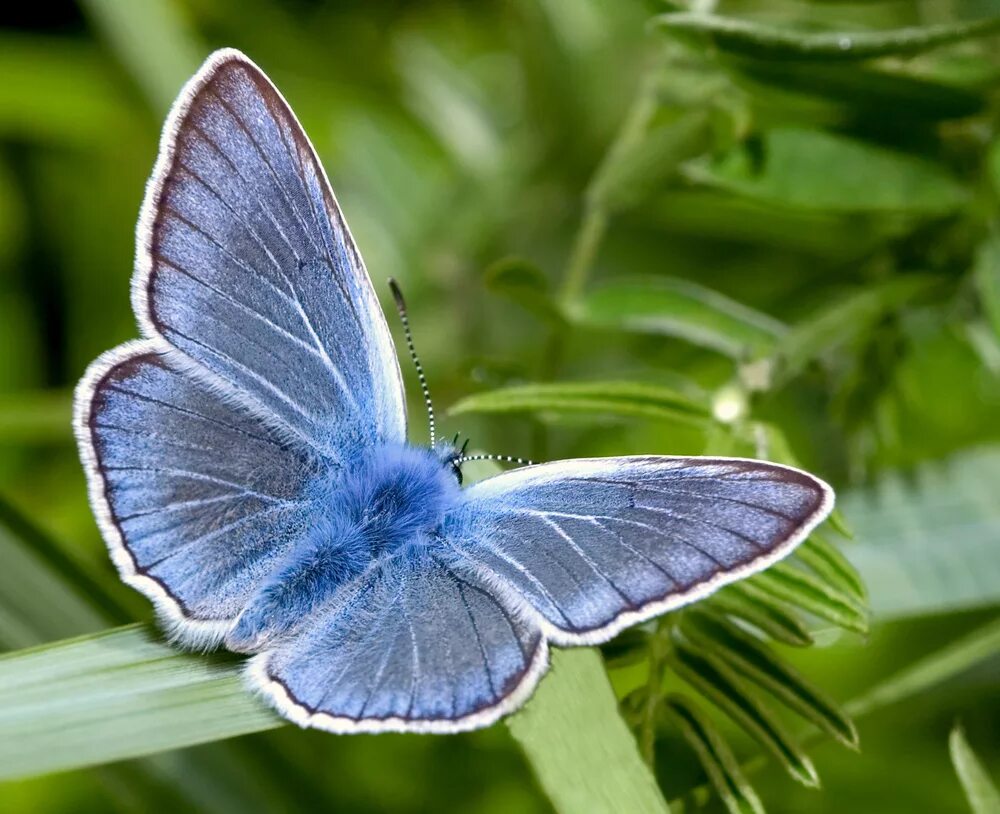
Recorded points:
(659, 646)
(594, 222)
(585, 247)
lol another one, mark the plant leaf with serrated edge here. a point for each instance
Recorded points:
(723, 687)
(765, 41)
(825, 560)
(767, 615)
(523, 283)
(793, 585)
(679, 308)
(715, 756)
(629, 399)
(979, 790)
(755, 661)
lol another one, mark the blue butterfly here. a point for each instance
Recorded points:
(249, 468)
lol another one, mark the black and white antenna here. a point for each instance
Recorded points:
(508, 459)
(397, 295)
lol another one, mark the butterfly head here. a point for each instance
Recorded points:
(452, 455)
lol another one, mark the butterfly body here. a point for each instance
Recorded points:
(384, 512)
(248, 463)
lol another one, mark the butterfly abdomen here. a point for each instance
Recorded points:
(388, 508)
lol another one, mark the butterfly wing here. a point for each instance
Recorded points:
(595, 545)
(196, 498)
(267, 359)
(245, 265)
(418, 646)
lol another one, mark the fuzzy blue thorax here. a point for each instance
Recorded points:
(390, 505)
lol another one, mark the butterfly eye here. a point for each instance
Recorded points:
(457, 468)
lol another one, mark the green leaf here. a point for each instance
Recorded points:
(816, 170)
(114, 695)
(627, 399)
(927, 539)
(986, 274)
(845, 319)
(524, 283)
(929, 671)
(752, 659)
(124, 693)
(582, 752)
(715, 756)
(825, 560)
(768, 616)
(765, 41)
(860, 89)
(724, 688)
(679, 308)
(982, 795)
(36, 417)
(789, 584)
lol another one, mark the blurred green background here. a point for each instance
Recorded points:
(772, 231)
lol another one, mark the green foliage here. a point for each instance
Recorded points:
(579, 746)
(765, 41)
(118, 694)
(682, 309)
(625, 399)
(770, 230)
(979, 789)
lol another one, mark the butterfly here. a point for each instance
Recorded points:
(249, 469)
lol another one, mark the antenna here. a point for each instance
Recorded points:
(397, 295)
(505, 458)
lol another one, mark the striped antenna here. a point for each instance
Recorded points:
(503, 458)
(397, 295)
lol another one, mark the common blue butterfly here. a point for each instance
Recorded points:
(249, 468)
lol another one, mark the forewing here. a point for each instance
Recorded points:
(195, 497)
(245, 264)
(598, 544)
(424, 647)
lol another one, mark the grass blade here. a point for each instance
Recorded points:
(982, 795)
(939, 666)
(118, 694)
(579, 746)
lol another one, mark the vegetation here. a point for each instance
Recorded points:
(735, 228)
